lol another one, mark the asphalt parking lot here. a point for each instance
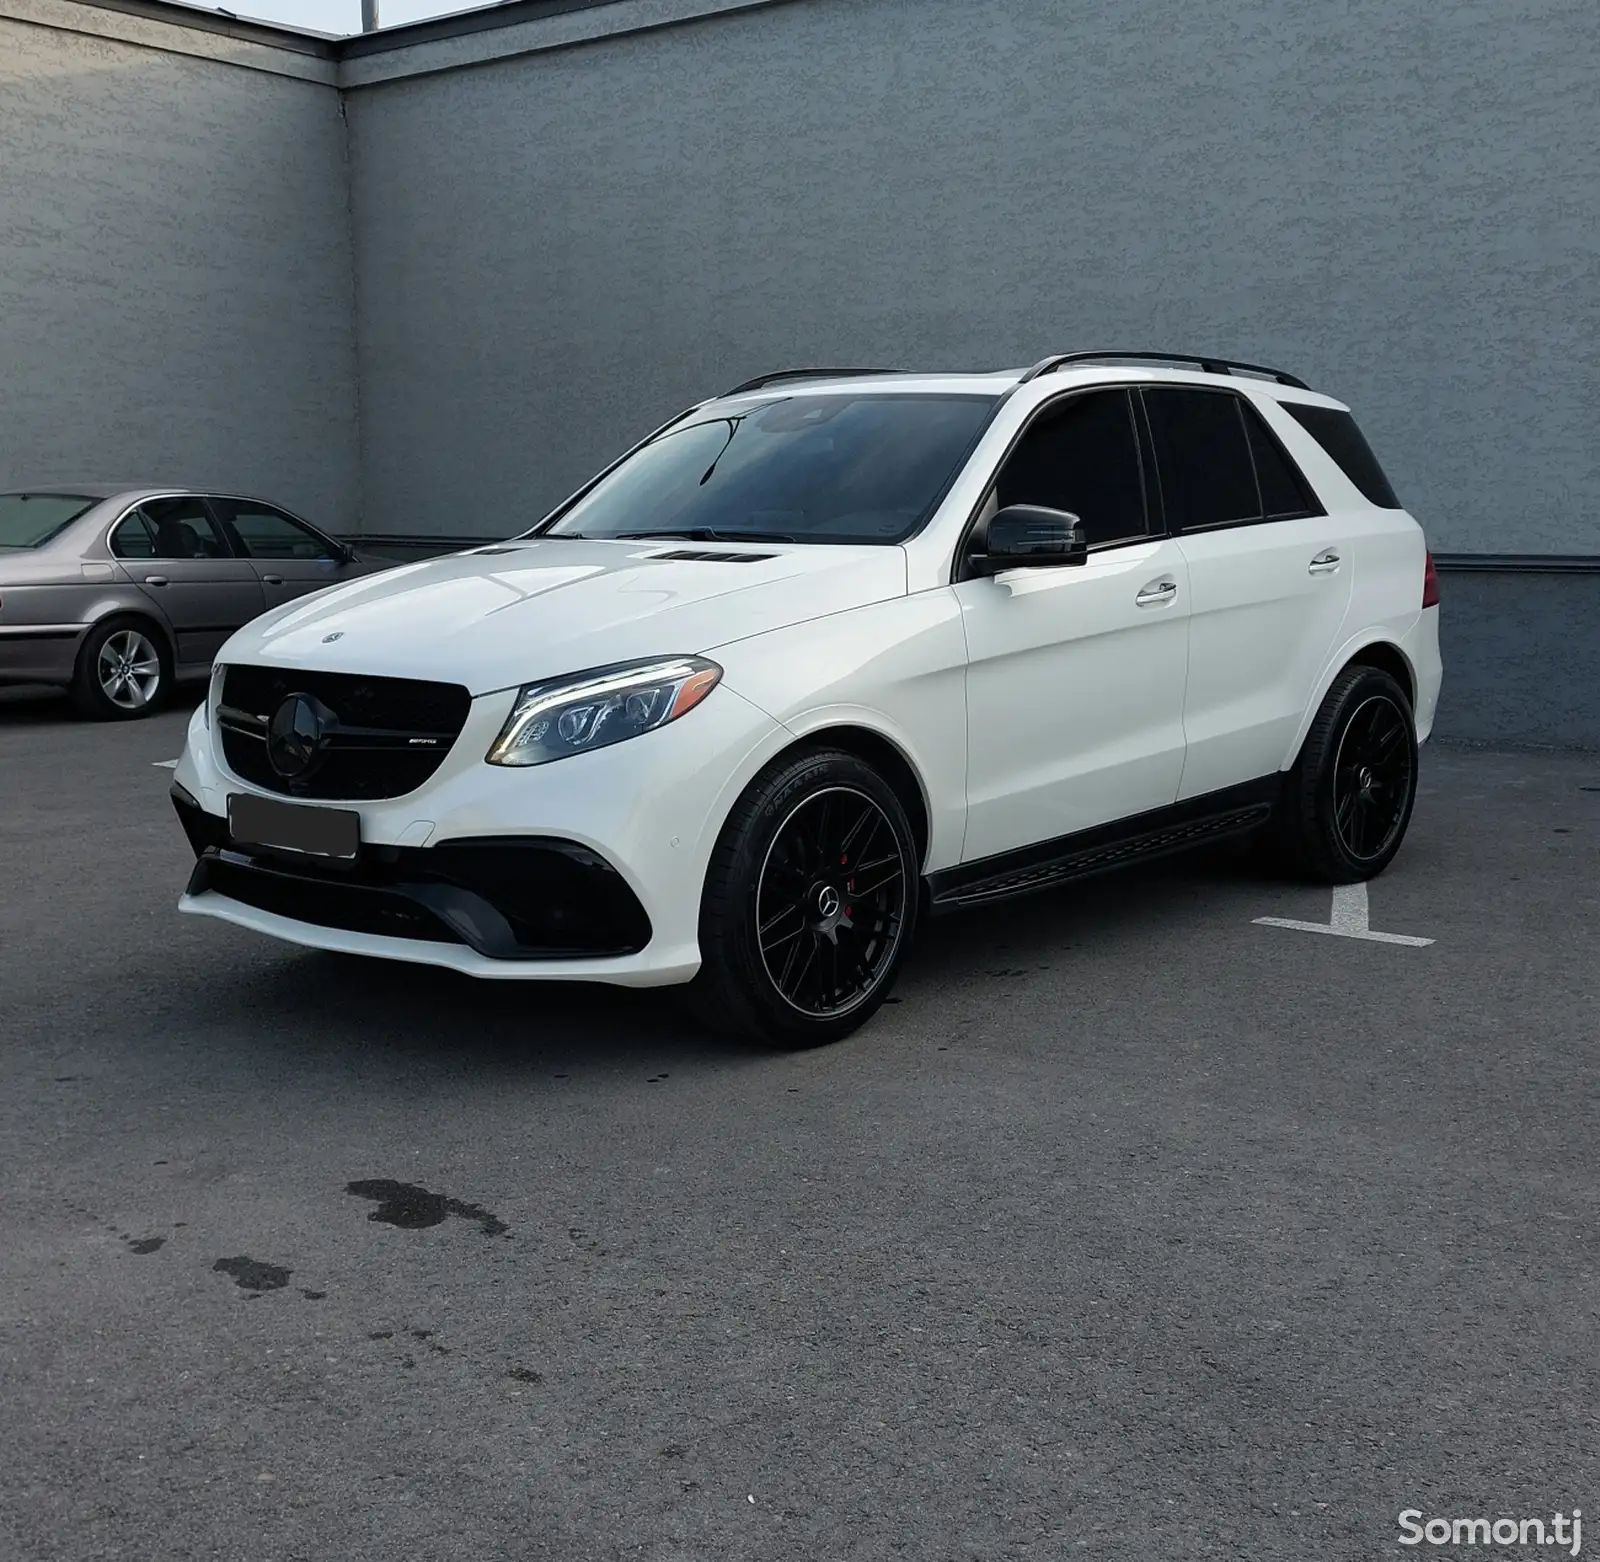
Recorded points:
(1133, 1228)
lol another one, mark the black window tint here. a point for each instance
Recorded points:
(131, 539)
(266, 533)
(1207, 477)
(1284, 492)
(1082, 457)
(823, 467)
(1337, 433)
(183, 529)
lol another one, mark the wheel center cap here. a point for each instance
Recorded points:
(826, 899)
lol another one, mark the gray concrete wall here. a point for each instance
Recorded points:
(1393, 198)
(176, 284)
(1521, 655)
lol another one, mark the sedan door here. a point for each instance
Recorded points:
(1076, 673)
(1270, 578)
(289, 557)
(175, 554)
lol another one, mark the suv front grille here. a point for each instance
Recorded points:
(376, 737)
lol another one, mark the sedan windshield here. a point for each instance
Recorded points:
(31, 520)
(824, 468)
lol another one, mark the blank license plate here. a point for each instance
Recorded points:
(319, 832)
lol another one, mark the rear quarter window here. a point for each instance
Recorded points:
(1337, 433)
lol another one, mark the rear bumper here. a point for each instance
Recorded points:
(40, 653)
(1422, 650)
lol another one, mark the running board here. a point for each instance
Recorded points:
(1086, 855)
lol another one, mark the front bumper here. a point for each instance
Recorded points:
(586, 869)
(513, 898)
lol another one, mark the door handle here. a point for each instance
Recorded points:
(1157, 591)
(1325, 562)
(272, 580)
(155, 580)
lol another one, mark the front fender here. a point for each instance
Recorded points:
(896, 669)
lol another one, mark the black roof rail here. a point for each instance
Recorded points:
(1207, 364)
(807, 374)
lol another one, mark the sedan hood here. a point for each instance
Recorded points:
(520, 612)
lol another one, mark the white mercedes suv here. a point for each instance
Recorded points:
(822, 656)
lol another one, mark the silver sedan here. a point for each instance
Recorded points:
(118, 593)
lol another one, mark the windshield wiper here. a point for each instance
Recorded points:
(733, 428)
(706, 534)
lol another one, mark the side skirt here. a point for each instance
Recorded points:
(1236, 810)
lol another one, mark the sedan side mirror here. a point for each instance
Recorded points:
(1030, 536)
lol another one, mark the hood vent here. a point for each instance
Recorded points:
(701, 556)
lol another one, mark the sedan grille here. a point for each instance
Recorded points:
(348, 736)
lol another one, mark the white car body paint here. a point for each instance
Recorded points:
(495, 620)
(1075, 694)
(1026, 705)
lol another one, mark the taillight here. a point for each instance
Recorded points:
(1430, 583)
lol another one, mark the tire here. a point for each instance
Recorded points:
(124, 670)
(796, 950)
(1348, 800)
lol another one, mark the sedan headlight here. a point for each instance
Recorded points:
(595, 709)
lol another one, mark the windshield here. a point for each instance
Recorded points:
(31, 520)
(824, 468)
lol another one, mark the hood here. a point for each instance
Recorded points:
(519, 612)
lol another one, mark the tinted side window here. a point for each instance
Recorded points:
(270, 534)
(1337, 433)
(132, 539)
(1082, 457)
(183, 529)
(1284, 491)
(1207, 476)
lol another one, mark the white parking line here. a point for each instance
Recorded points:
(165, 764)
(1348, 920)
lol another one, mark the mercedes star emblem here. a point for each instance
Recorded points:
(297, 735)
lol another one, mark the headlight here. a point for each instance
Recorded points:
(598, 708)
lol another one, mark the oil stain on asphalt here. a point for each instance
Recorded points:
(251, 1275)
(404, 1204)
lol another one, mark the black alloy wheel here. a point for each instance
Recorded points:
(1347, 802)
(1374, 771)
(810, 903)
(830, 902)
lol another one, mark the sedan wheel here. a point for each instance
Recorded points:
(123, 672)
(129, 670)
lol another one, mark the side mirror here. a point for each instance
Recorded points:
(1029, 536)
